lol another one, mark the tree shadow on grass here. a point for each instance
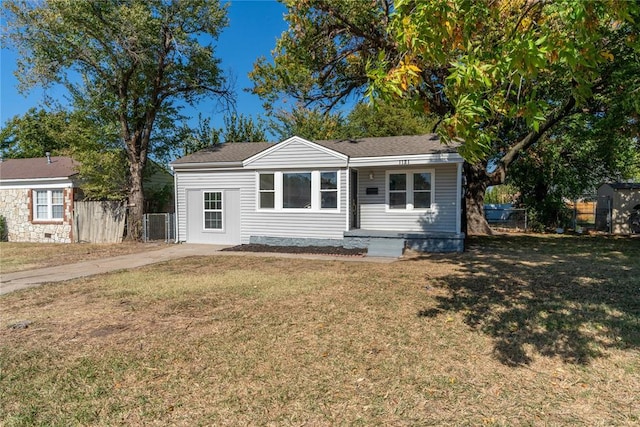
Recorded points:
(571, 298)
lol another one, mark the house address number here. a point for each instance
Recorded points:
(403, 162)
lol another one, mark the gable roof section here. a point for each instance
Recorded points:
(227, 154)
(291, 141)
(38, 168)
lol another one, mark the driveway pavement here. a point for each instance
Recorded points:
(18, 280)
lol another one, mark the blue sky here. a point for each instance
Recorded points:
(254, 26)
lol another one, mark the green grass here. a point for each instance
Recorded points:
(516, 331)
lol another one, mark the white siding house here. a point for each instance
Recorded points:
(340, 193)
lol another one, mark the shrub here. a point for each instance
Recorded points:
(3, 229)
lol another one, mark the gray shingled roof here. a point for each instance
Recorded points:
(361, 147)
(389, 146)
(225, 153)
(38, 168)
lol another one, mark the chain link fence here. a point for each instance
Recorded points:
(506, 218)
(158, 226)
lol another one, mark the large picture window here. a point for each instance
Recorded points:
(300, 190)
(410, 190)
(213, 210)
(48, 205)
(296, 190)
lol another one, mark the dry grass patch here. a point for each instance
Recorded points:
(25, 256)
(509, 333)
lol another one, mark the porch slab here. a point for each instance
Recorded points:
(434, 241)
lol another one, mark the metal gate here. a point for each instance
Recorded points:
(158, 226)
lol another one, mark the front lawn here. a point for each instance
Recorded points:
(516, 331)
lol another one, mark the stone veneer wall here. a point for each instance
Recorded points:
(15, 206)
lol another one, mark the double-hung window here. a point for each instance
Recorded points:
(410, 190)
(328, 190)
(213, 210)
(48, 205)
(299, 190)
(267, 191)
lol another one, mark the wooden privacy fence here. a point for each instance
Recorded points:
(99, 222)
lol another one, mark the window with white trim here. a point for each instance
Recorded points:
(212, 210)
(328, 190)
(410, 190)
(48, 205)
(267, 191)
(298, 190)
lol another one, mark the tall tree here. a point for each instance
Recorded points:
(128, 62)
(34, 133)
(237, 128)
(499, 74)
(387, 119)
(307, 123)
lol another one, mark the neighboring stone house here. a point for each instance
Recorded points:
(37, 197)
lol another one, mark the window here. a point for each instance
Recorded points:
(422, 190)
(300, 190)
(267, 191)
(296, 190)
(48, 205)
(328, 190)
(410, 190)
(397, 191)
(213, 210)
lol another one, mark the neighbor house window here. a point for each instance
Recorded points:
(267, 191)
(48, 205)
(410, 190)
(213, 210)
(296, 190)
(308, 190)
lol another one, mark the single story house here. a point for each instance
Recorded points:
(37, 197)
(383, 194)
(616, 204)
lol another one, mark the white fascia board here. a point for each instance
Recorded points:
(8, 184)
(206, 166)
(293, 140)
(408, 160)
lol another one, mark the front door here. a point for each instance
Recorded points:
(354, 208)
(213, 216)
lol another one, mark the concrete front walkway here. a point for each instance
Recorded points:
(10, 282)
(18, 280)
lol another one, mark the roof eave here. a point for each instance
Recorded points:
(406, 160)
(206, 165)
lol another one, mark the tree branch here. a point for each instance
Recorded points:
(497, 177)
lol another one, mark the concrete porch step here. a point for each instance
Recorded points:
(386, 247)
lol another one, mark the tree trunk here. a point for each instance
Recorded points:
(476, 186)
(136, 202)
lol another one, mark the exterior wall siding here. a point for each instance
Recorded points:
(313, 224)
(16, 207)
(442, 217)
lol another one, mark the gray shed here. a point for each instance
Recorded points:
(616, 206)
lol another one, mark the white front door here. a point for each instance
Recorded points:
(213, 216)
